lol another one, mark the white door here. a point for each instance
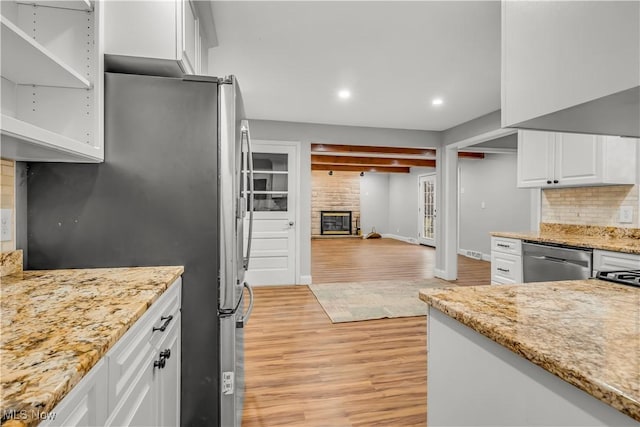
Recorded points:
(427, 210)
(273, 248)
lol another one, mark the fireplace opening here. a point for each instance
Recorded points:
(335, 222)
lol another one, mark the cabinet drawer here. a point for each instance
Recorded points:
(506, 268)
(505, 245)
(130, 355)
(610, 261)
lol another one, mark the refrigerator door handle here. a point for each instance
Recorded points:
(245, 132)
(245, 316)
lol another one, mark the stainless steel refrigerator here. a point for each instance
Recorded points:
(170, 192)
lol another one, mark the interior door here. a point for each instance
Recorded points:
(273, 248)
(427, 210)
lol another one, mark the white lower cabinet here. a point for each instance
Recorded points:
(611, 261)
(506, 261)
(86, 404)
(137, 383)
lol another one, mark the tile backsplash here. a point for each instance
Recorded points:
(590, 205)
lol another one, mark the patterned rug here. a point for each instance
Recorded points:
(351, 302)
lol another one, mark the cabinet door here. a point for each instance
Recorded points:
(611, 261)
(139, 407)
(168, 378)
(578, 159)
(189, 37)
(535, 158)
(86, 404)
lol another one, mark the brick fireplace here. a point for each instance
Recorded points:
(339, 192)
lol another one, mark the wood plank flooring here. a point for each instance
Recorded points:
(302, 370)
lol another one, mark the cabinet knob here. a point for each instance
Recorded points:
(166, 354)
(548, 181)
(555, 181)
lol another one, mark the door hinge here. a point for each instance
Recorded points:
(227, 383)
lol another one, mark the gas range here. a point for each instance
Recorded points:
(624, 277)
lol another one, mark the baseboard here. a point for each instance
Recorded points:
(411, 240)
(483, 256)
(305, 280)
(441, 274)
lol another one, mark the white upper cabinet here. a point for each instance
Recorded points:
(52, 74)
(168, 30)
(535, 158)
(571, 66)
(549, 160)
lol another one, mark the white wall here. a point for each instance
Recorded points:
(491, 181)
(374, 202)
(307, 133)
(403, 202)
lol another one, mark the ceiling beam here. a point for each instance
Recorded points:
(334, 148)
(468, 155)
(355, 168)
(370, 161)
(343, 150)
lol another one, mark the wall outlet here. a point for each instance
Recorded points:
(6, 225)
(625, 215)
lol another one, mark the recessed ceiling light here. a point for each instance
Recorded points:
(437, 101)
(344, 94)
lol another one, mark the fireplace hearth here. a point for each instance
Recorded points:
(335, 222)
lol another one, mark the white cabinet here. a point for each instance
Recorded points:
(52, 74)
(138, 380)
(168, 30)
(144, 368)
(561, 54)
(551, 160)
(506, 261)
(611, 261)
(86, 404)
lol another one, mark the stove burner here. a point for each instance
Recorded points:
(625, 277)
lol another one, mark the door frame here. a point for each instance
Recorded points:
(296, 157)
(421, 240)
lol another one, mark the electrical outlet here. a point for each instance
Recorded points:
(6, 225)
(625, 215)
(227, 382)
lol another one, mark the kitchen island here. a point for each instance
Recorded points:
(551, 353)
(58, 324)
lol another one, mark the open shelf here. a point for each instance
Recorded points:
(62, 4)
(41, 144)
(25, 61)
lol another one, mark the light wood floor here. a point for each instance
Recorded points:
(302, 370)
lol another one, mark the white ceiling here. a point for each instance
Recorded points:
(291, 59)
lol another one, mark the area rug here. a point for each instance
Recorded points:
(354, 301)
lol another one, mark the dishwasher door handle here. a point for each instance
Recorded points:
(560, 260)
(548, 258)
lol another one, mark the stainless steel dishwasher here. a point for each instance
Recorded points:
(545, 263)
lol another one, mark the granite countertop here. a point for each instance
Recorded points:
(57, 324)
(586, 332)
(628, 245)
(596, 237)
